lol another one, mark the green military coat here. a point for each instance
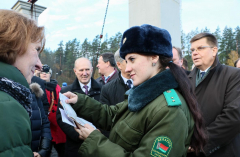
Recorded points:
(15, 129)
(156, 129)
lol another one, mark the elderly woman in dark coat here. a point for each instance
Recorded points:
(21, 41)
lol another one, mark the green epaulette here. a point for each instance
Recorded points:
(172, 98)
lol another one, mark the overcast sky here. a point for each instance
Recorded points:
(69, 19)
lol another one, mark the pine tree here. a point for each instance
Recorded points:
(237, 39)
(47, 57)
(59, 55)
(114, 42)
(183, 41)
(71, 53)
(85, 49)
(95, 52)
(217, 34)
(205, 30)
(187, 51)
(227, 44)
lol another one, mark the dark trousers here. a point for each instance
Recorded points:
(60, 147)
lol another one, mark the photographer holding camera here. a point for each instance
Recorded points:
(52, 91)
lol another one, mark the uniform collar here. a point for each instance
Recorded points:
(139, 96)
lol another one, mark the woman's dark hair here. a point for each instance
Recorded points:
(235, 63)
(199, 136)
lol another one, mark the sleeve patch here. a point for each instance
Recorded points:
(161, 147)
(172, 98)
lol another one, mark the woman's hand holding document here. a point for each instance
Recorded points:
(69, 116)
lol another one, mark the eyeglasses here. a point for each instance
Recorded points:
(44, 72)
(200, 48)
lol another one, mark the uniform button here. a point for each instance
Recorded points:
(173, 100)
(171, 97)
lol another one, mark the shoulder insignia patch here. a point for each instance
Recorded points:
(161, 147)
(172, 98)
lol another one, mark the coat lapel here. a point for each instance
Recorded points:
(76, 87)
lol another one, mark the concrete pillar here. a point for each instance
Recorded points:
(25, 8)
(161, 13)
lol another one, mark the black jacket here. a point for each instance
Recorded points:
(40, 126)
(41, 82)
(218, 95)
(73, 142)
(113, 92)
(187, 72)
(101, 81)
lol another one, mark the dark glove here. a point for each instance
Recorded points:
(45, 147)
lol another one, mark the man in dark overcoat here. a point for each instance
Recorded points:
(84, 84)
(217, 88)
(114, 91)
(106, 68)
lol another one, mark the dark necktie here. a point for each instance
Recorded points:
(202, 74)
(86, 91)
(129, 83)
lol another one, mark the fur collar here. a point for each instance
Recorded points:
(140, 96)
(36, 89)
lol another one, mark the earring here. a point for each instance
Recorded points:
(153, 64)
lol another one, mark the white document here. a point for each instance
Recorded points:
(66, 119)
(69, 115)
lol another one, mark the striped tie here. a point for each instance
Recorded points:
(86, 91)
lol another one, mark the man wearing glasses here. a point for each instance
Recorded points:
(217, 88)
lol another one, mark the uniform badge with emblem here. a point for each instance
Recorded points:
(161, 147)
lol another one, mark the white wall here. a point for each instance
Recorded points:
(161, 13)
(24, 8)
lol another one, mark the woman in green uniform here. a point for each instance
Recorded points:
(159, 116)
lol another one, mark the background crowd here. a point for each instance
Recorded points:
(62, 59)
(141, 94)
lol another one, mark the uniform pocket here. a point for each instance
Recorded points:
(129, 138)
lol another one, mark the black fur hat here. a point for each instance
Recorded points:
(146, 39)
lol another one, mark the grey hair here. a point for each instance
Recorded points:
(117, 57)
